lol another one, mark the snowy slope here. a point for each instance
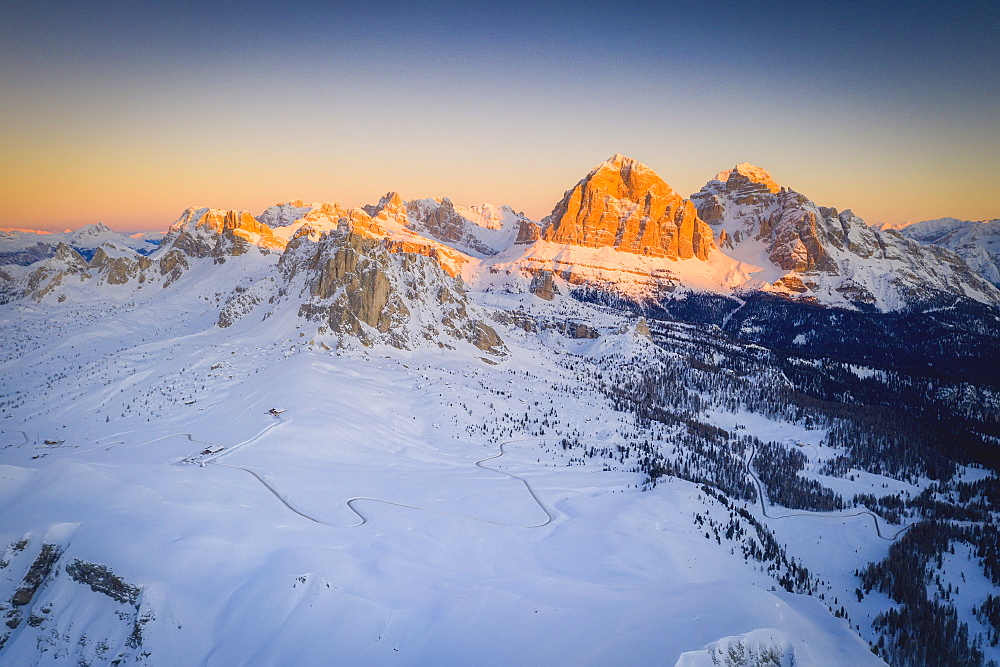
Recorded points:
(978, 243)
(376, 518)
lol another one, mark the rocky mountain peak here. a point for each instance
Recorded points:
(627, 178)
(747, 176)
(215, 232)
(625, 205)
(90, 232)
(390, 206)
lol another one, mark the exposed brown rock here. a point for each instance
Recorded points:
(37, 574)
(242, 225)
(543, 286)
(535, 324)
(642, 328)
(118, 270)
(359, 289)
(450, 260)
(172, 265)
(625, 205)
(527, 232)
(50, 275)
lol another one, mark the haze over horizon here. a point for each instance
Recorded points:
(127, 114)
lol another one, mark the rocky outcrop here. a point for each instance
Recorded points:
(172, 265)
(476, 230)
(116, 266)
(819, 254)
(283, 215)
(101, 579)
(543, 286)
(439, 219)
(355, 288)
(51, 273)
(451, 262)
(642, 328)
(625, 205)
(571, 328)
(217, 233)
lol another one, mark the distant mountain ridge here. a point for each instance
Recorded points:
(27, 246)
(977, 242)
(620, 230)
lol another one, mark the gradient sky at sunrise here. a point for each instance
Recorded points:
(128, 112)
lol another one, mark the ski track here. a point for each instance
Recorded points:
(15, 430)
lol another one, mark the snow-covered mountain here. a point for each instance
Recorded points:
(812, 252)
(623, 230)
(24, 246)
(978, 243)
(734, 429)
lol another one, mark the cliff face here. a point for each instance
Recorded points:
(355, 287)
(625, 205)
(212, 232)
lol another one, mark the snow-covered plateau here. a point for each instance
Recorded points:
(422, 433)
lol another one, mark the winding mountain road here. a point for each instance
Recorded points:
(817, 515)
(353, 501)
(215, 459)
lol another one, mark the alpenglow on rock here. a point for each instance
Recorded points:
(213, 232)
(625, 205)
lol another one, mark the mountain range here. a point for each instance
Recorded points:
(743, 253)
(733, 428)
(623, 229)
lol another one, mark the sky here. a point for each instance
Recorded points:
(129, 112)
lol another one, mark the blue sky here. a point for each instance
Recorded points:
(129, 112)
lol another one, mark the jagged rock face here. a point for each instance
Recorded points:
(818, 253)
(356, 288)
(451, 262)
(282, 215)
(209, 232)
(746, 204)
(625, 205)
(477, 230)
(445, 224)
(527, 232)
(172, 265)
